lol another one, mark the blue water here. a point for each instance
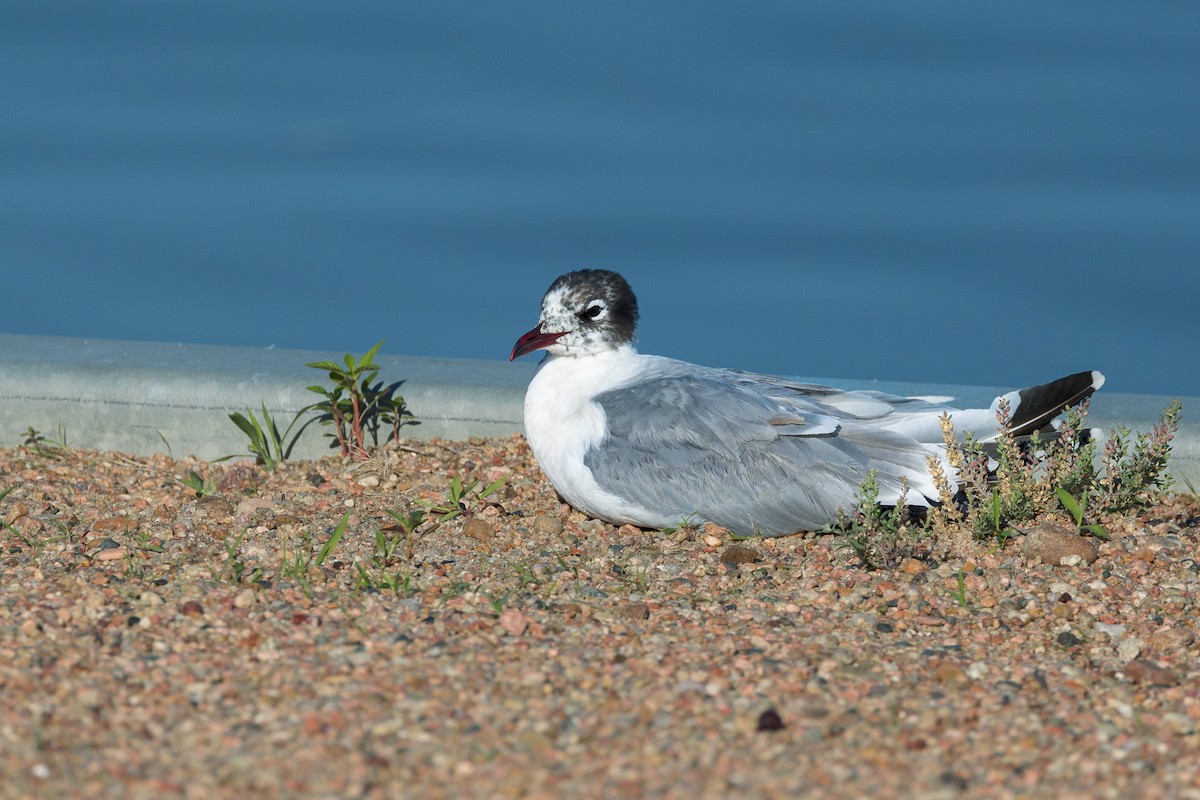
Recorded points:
(933, 191)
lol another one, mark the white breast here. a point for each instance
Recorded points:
(562, 422)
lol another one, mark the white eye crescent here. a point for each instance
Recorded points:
(596, 309)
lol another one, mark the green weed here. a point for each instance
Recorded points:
(201, 486)
(44, 446)
(1135, 474)
(495, 601)
(355, 406)
(334, 539)
(1010, 481)
(382, 573)
(235, 565)
(1077, 509)
(460, 498)
(268, 446)
(879, 536)
(960, 592)
(297, 562)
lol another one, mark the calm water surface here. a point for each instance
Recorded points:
(934, 191)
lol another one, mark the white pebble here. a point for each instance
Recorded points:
(1130, 648)
(977, 670)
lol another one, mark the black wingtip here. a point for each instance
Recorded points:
(1040, 404)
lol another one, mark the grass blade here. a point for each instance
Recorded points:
(334, 539)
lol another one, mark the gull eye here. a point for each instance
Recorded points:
(595, 310)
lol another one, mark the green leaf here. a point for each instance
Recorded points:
(242, 423)
(493, 488)
(334, 539)
(1070, 504)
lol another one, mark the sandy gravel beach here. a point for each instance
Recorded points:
(157, 643)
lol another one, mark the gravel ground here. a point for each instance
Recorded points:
(158, 644)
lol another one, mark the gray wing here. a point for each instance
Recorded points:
(699, 446)
(869, 405)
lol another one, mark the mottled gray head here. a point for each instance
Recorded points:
(583, 312)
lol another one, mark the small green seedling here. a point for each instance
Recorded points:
(236, 564)
(999, 529)
(459, 498)
(202, 487)
(1077, 508)
(960, 593)
(268, 446)
(44, 446)
(334, 539)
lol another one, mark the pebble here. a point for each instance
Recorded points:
(736, 554)
(111, 525)
(15, 512)
(545, 525)
(634, 611)
(770, 721)
(951, 674)
(1129, 648)
(1172, 640)
(240, 478)
(1048, 543)
(514, 621)
(1149, 673)
(478, 530)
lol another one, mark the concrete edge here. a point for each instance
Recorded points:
(146, 397)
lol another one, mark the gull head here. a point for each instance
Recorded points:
(583, 313)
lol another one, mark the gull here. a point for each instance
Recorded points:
(654, 442)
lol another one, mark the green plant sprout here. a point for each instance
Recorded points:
(458, 498)
(334, 539)
(201, 486)
(1077, 509)
(875, 534)
(44, 446)
(1136, 473)
(268, 446)
(385, 555)
(236, 564)
(354, 405)
(960, 592)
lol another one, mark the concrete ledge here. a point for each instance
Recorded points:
(140, 397)
(131, 396)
